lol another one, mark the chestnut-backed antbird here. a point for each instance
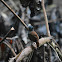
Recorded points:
(33, 36)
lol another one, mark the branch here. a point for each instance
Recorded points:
(14, 13)
(8, 45)
(52, 44)
(46, 20)
(47, 26)
(29, 49)
(12, 29)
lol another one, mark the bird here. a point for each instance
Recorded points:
(33, 36)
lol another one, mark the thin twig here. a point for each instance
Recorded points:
(8, 45)
(12, 29)
(47, 27)
(46, 20)
(14, 13)
(52, 44)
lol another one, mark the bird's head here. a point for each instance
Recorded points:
(30, 27)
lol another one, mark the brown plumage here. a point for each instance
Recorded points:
(34, 37)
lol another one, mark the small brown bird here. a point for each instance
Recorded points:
(33, 36)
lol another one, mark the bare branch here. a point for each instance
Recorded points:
(46, 20)
(14, 13)
(29, 49)
(8, 45)
(52, 44)
(12, 29)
